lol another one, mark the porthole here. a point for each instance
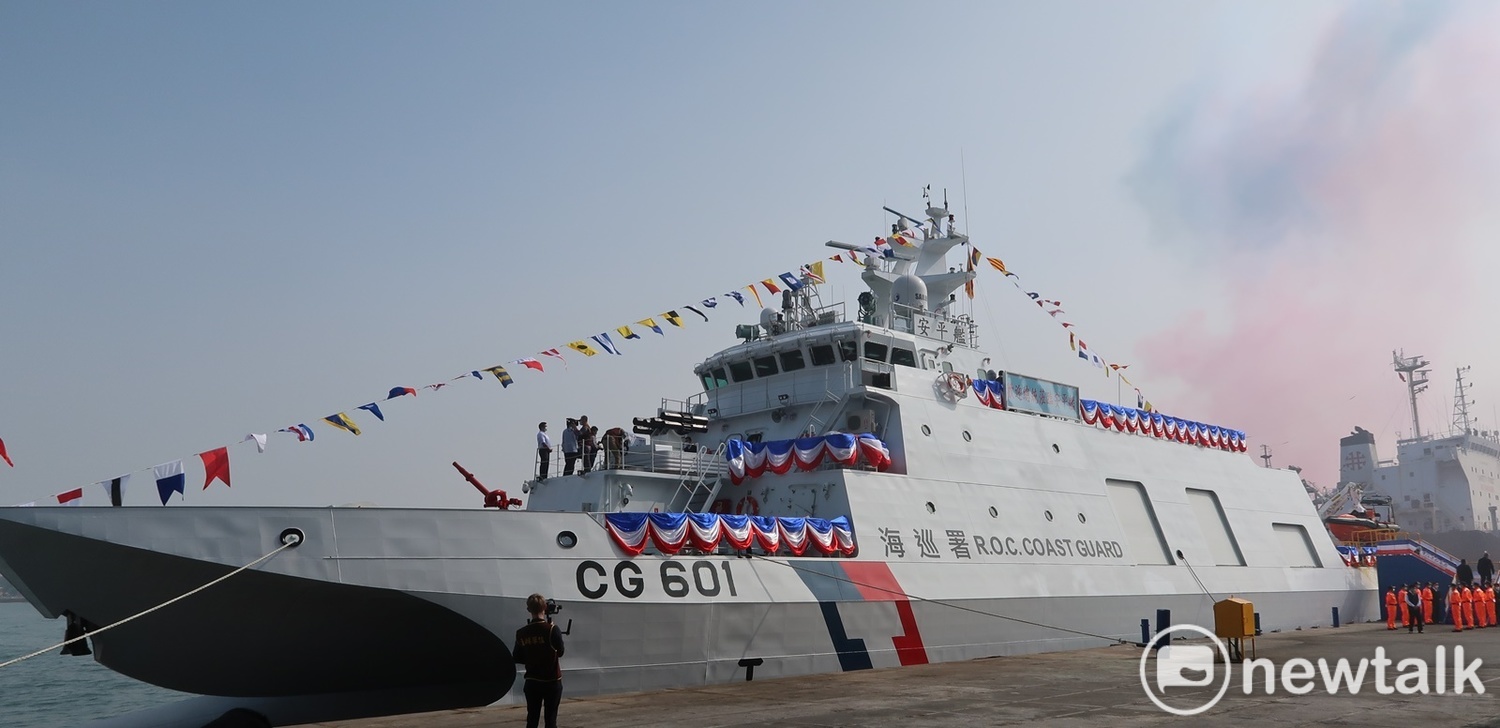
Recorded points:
(931, 508)
(926, 430)
(994, 513)
(1081, 519)
(968, 437)
(1048, 514)
(567, 539)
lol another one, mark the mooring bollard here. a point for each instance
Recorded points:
(1257, 623)
(1145, 632)
(1335, 617)
(1163, 623)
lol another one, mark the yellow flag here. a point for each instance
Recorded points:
(755, 293)
(342, 422)
(998, 264)
(673, 318)
(582, 348)
(627, 333)
(815, 272)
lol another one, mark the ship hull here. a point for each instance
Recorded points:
(423, 602)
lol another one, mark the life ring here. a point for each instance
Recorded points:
(748, 506)
(954, 386)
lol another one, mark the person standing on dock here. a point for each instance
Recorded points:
(1465, 573)
(543, 451)
(1456, 606)
(1426, 603)
(1486, 570)
(1401, 604)
(1390, 609)
(539, 645)
(1414, 608)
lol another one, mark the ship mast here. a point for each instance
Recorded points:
(1461, 404)
(1412, 371)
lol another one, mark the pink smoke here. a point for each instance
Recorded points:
(1337, 208)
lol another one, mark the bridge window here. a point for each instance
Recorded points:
(848, 350)
(719, 378)
(792, 360)
(740, 371)
(765, 366)
(822, 355)
(875, 352)
(903, 357)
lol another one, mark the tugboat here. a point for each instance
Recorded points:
(859, 491)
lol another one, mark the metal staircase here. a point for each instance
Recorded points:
(698, 488)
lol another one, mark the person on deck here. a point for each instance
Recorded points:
(614, 448)
(543, 451)
(570, 446)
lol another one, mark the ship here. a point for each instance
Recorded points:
(852, 487)
(1444, 484)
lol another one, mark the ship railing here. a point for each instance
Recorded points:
(956, 329)
(654, 457)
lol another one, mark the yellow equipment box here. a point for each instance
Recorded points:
(1234, 618)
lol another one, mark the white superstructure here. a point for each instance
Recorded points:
(992, 531)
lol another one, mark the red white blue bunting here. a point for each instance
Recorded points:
(1155, 424)
(989, 392)
(672, 532)
(754, 459)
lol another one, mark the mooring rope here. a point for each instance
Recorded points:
(289, 541)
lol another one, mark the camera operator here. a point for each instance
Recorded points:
(539, 645)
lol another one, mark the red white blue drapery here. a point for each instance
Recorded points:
(671, 532)
(989, 392)
(1164, 427)
(753, 459)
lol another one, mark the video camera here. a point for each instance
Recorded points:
(553, 607)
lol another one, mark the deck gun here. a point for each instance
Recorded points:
(492, 498)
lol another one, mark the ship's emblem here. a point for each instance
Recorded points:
(1354, 461)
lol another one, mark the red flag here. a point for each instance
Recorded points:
(215, 465)
(5, 456)
(70, 498)
(531, 363)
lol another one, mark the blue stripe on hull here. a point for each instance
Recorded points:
(829, 592)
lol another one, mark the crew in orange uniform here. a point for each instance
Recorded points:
(1481, 610)
(1390, 609)
(1470, 596)
(1456, 607)
(1401, 601)
(1489, 599)
(1486, 606)
(1426, 605)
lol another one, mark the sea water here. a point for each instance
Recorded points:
(53, 690)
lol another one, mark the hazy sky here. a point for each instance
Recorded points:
(220, 218)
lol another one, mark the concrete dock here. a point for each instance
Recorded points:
(1099, 687)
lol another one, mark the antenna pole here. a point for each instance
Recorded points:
(1265, 454)
(1461, 404)
(1412, 369)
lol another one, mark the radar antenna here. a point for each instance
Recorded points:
(1414, 373)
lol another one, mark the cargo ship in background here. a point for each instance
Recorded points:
(1444, 487)
(850, 488)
